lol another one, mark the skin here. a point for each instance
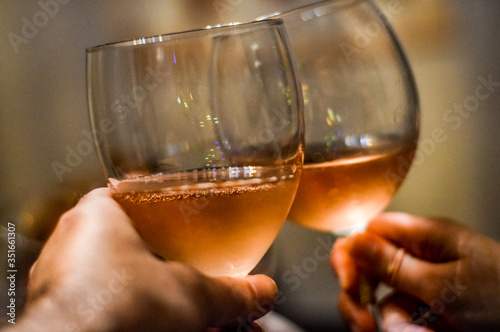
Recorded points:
(447, 267)
(96, 274)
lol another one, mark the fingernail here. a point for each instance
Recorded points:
(266, 291)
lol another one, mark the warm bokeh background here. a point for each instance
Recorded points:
(43, 115)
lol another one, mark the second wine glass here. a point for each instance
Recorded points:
(361, 113)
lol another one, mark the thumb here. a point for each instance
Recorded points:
(239, 301)
(399, 269)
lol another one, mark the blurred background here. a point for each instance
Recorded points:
(452, 46)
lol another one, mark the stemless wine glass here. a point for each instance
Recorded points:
(200, 137)
(361, 113)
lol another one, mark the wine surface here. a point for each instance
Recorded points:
(339, 195)
(222, 227)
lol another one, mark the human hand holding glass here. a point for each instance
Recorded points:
(200, 136)
(95, 274)
(444, 275)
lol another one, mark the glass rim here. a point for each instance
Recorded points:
(311, 6)
(271, 21)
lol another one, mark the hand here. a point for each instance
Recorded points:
(444, 276)
(96, 274)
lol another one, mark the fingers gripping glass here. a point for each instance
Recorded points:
(200, 137)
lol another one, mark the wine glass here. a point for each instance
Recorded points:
(200, 136)
(361, 116)
(361, 113)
